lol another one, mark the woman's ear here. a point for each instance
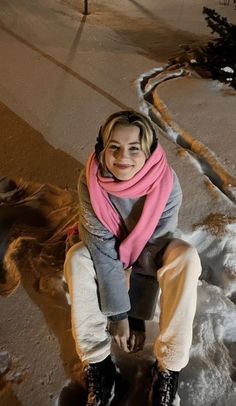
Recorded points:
(99, 144)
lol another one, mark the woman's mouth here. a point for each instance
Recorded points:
(123, 166)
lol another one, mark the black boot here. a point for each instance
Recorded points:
(164, 386)
(101, 382)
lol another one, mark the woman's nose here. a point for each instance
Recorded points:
(122, 153)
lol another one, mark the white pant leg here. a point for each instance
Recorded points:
(178, 280)
(88, 323)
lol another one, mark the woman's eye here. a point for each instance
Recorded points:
(134, 149)
(113, 147)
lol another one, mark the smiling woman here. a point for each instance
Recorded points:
(129, 198)
(125, 127)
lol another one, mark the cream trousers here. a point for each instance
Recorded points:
(178, 280)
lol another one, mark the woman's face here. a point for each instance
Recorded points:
(123, 154)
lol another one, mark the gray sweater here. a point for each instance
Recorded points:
(115, 300)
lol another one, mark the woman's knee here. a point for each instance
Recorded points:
(75, 257)
(186, 253)
(76, 252)
(177, 243)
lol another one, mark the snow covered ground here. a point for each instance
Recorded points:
(61, 74)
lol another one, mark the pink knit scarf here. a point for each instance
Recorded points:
(154, 180)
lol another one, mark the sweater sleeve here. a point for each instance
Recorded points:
(103, 248)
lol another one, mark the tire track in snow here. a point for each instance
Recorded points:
(159, 114)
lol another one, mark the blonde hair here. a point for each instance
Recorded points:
(126, 118)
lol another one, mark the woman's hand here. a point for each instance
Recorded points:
(127, 339)
(136, 340)
(137, 334)
(120, 331)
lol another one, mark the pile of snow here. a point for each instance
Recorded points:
(209, 378)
